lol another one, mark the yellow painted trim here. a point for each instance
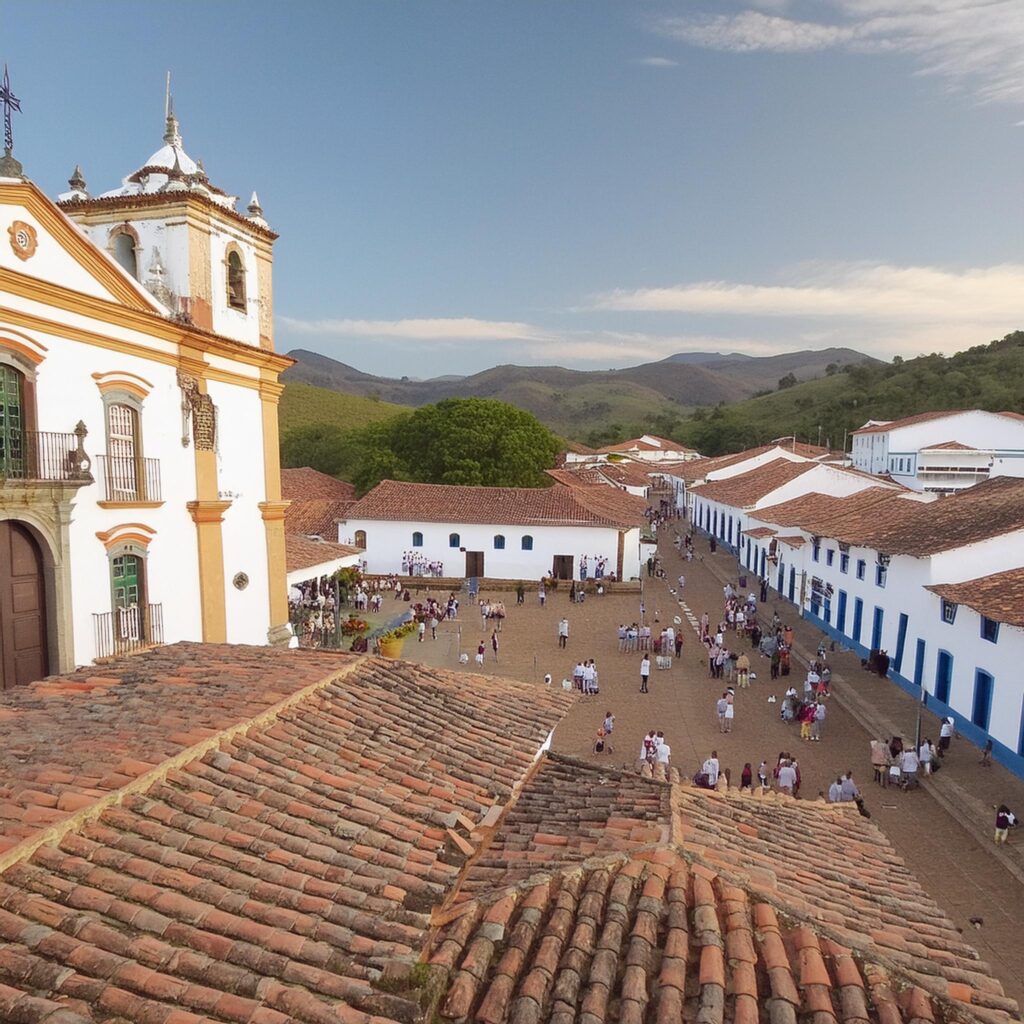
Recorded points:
(204, 512)
(130, 504)
(149, 323)
(73, 242)
(273, 511)
(16, 346)
(138, 532)
(57, 329)
(122, 380)
(208, 516)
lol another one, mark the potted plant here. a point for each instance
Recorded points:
(390, 642)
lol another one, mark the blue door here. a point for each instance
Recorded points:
(919, 664)
(943, 676)
(901, 643)
(982, 699)
(764, 563)
(828, 609)
(876, 629)
(792, 584)
(841, 612)
(858, 618)
(782, 576)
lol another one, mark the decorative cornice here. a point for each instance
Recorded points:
(138, 532)
(207, 511)
(273, 511)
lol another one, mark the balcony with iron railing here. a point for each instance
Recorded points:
(41, 456)
(128, 629)
(126, 480)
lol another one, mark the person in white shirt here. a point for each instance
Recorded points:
(925, 755)
(835, 791)
(563, 632)
(787, 777)
(909, 764)
(711, 768)
(645, 671)
(946, 735)
(664, 754)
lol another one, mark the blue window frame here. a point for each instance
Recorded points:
(901, 643)
(861, 568)
(527, 543)
(499, 541)
(919, 664)
(454, 541)
(989, 630)
(417, 539)
(841, 612)
(876, 628)
(858, 618)
(949, 611)
(815, 551)
(880, 574)
(943, 676)
(982, 706)
(830, 555)
(844, 563)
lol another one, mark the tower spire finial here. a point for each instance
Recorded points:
(172, 135)
(9, 167)
(167, 98)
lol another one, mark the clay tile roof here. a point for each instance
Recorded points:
(559, 505)
(722, 919)
(999, 596)
(908, 421)
(305, 484)
(278, 826)
(746, 489)
(577, 476)
(793, 540)
(760, 531)
(650, 443)
(951, 446)
(316, 518)
(302, 553)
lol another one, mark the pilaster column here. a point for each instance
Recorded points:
(208, 515)
(273, 511)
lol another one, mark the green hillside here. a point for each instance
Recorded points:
(304, 405)
(984, 377)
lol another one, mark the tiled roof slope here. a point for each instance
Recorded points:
(999, 596)
(950, 446)
(850, 519)
(555, 822)
(273, 876)
(758, 909)
(744, 489)
(301, 553)
(908, 421)
(395, 501)
(317, 517)
(306, 484)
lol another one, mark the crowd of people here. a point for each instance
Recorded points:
(414, 564)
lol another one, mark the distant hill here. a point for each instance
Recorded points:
(303, 405)
(576, 402)
(984, 377)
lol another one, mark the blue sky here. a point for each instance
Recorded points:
(594, 184)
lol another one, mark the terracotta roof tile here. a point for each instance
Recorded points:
(951, 446)
(392, 500)
(275, 875)
(724, 916)
(908, 421)
(999, 596)
(306, 484)
(301, 553)
(316, 518)
(746, 489)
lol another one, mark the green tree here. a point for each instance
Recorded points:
(788, 381)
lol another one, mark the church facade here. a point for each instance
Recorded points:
(140, 495)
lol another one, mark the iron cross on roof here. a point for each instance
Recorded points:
(10, 103)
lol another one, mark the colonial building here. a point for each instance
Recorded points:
(500, 532)
(942, 452)
(139, 478)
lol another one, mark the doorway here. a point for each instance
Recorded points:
(561, 567)
(474, 564)
(23, 639)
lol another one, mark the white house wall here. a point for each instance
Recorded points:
(387, 541)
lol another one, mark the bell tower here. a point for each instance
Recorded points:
(183, 238)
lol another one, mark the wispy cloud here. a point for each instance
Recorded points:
(860, 291)
(657, 62)
(452, 329)
(976, 45)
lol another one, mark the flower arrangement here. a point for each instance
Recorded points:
(399, 632)
(353, 626)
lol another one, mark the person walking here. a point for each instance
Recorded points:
(433, 627)
(608, 725)
(850, 792)
(730, 712)
(720, 709)
(818, 721)
(480, 650)
(645, 671)
(1004, 819)
(743, 671)
(494, 643)
(421, 629)
(946, 735)
(563, 632)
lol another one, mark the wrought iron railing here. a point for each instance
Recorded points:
(128, 629)
(126, 479)
(45, 455)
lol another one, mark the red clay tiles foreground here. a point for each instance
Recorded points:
(389, 847)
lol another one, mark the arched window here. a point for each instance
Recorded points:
(417, 539)
(124, 247)
(499, 541)
(454, 540)
(124, 453)
(13, 457)
(361, 539)
(236, 280)
(527, 543)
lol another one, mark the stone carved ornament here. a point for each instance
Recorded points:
(202, 412)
